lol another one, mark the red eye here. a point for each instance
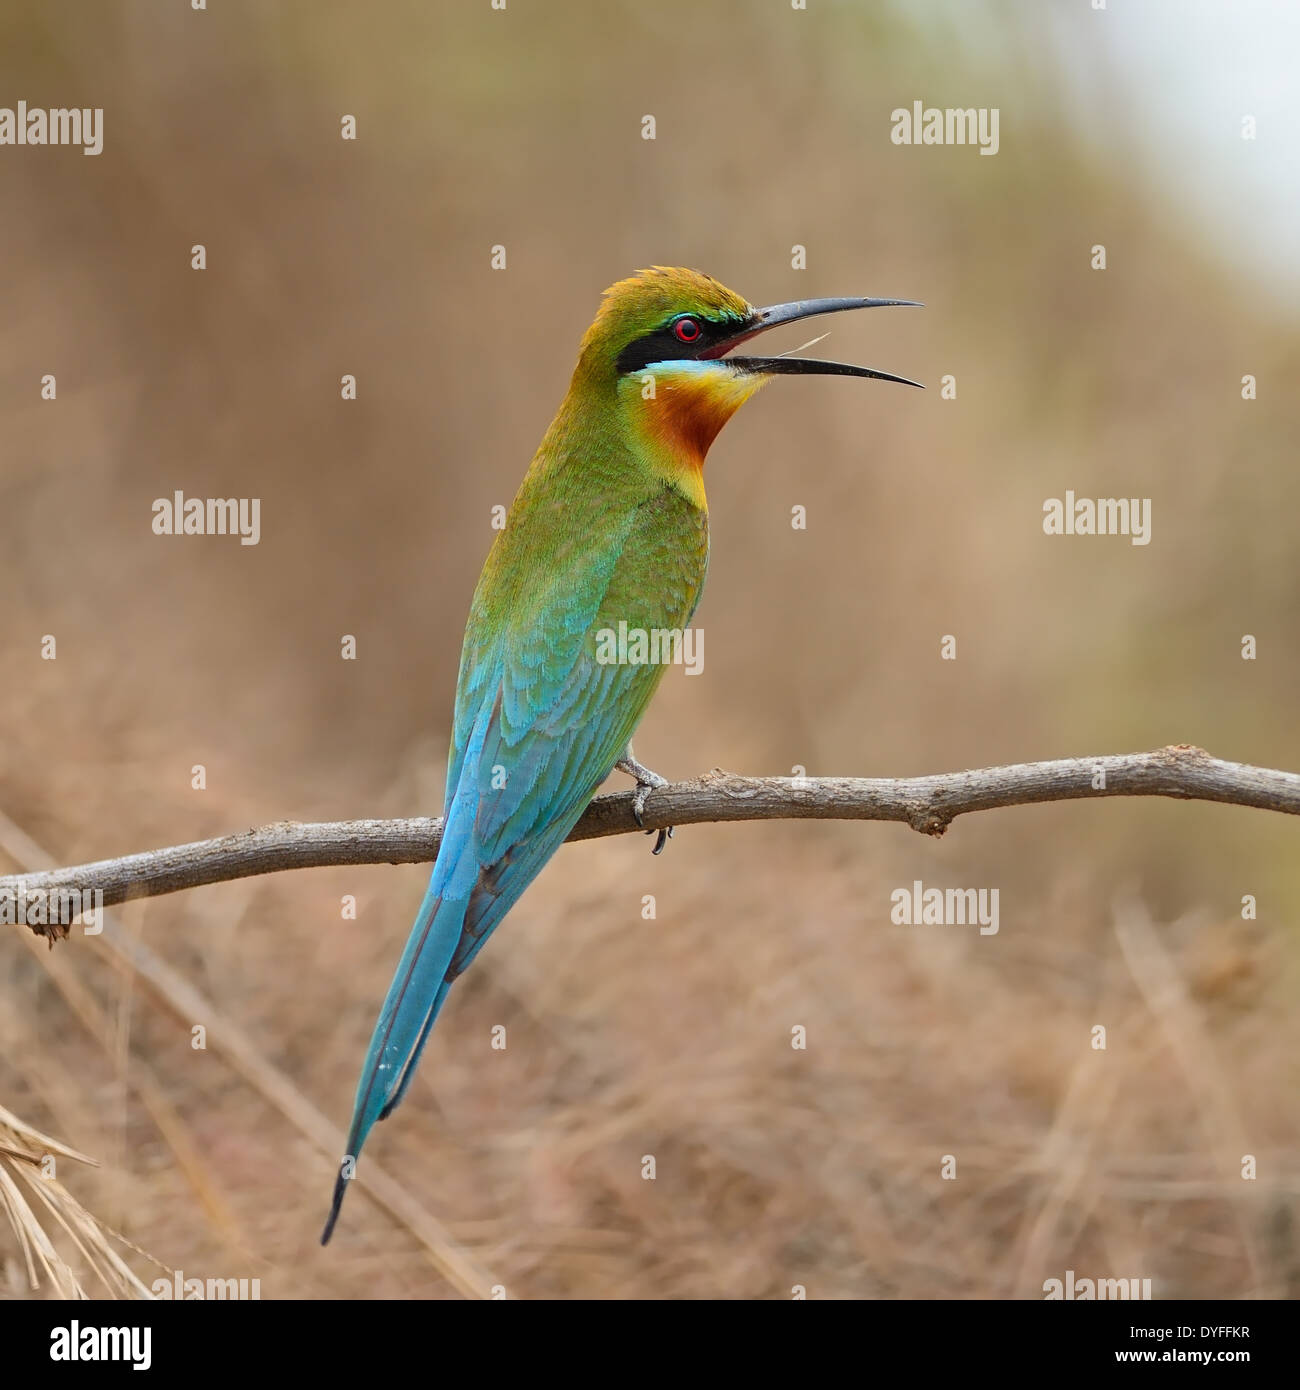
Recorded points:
(687, 330)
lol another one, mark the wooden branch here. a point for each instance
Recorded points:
(927, 804)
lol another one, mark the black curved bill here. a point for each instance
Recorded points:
(777, 314)
(810, 366)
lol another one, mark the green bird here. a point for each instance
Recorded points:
(610, 527)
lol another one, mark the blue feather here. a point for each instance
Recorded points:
(540, 723)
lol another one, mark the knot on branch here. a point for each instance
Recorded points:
(732, 784)
(930, 820)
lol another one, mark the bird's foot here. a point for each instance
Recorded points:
(646, 782)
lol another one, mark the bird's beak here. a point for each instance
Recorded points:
(777, 314)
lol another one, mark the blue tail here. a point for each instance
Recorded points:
(413, 1001)
(488, 856)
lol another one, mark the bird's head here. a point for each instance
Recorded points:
(663, 338)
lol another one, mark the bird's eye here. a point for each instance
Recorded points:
(687, 330)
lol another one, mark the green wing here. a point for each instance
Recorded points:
(553, 718)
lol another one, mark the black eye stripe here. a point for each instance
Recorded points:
(663, 343)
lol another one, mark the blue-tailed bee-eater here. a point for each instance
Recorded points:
(610, 526)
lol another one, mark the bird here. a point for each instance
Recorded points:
(610, 525)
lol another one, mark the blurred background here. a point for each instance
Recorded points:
(671, 1037)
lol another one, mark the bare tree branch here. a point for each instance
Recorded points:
(927, 804)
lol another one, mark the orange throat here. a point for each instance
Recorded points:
(683, 406)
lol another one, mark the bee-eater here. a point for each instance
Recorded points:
(610, 526)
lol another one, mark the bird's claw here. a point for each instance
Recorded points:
(641, 796)
(646, 782)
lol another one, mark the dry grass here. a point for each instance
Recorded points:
(43, 1215)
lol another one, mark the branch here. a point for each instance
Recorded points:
(927, 804)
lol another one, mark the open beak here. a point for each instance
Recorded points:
(777, 314)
